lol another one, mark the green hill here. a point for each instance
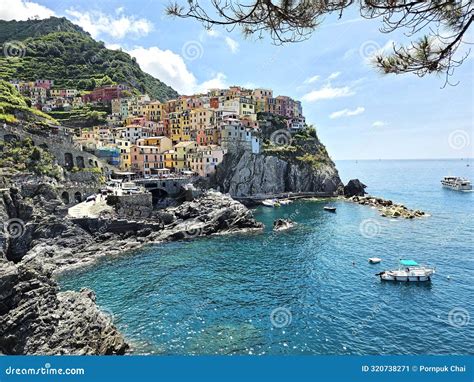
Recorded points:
(14, 107)
(57, 49)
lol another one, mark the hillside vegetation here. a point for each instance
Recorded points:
(14, 107)
(57, 49)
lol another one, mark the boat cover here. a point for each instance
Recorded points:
(408, 263)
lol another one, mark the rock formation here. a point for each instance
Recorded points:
(354, 187)
(387, 208)
(35, 318)
(246, 174)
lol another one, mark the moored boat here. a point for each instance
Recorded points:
(374, 260)
(456, 183)
(271, 203)
(329, 208)
(408, 271)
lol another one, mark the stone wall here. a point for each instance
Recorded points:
(132, 206)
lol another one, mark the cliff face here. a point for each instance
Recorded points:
(303, 166)
(35, 318)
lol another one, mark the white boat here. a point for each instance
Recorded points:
(271, 203)
(374, 260)
(456, 183)
(408, 271)
(285, 201)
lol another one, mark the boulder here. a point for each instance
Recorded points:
(354, 188)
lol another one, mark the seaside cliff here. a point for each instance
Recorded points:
(296, 164)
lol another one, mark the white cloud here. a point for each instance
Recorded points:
(328, 92)
(170, 68)
(232, 44)
(219, 82)
(347, 113)
(310, 80)
(23, 10)
(97, 23)
(334, 75)
(213, 33)
(379, 124)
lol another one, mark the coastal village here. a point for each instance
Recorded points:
(186, 136)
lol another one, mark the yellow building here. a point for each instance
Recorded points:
(179, 126)
(153, 111)
(162, 143)
(125, 157)
(170, 159)
(201, 118)
(183, 151)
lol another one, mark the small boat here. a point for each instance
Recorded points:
(329, 208)
(374, 260)
(271, 203)
(408, 271)
(285, 201)
(456, 183)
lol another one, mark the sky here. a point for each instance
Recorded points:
(358, 112)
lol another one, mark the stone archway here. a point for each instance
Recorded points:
(80, 162)
(68, 161)
(78, 197)
(91, 162)
(65, 197)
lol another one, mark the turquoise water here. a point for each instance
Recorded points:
(309, 290)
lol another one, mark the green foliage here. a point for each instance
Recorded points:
(13, 104)
(309, 132)
(71, 58)
(24, 156)
(270, 148)
(86, 116)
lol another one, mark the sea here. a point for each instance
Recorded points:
(308, 290)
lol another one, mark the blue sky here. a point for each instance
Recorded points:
(359, 113)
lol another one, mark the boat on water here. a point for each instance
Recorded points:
(329, 208)
(374, 260)
(408, 271)
(271, 203)
(456, 183)
(285, 201)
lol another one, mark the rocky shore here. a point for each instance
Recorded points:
(36, 318)
(39, 242)
(387, 208)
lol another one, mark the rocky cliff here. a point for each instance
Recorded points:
(36, 318)
(300, 164)
(38, 241)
